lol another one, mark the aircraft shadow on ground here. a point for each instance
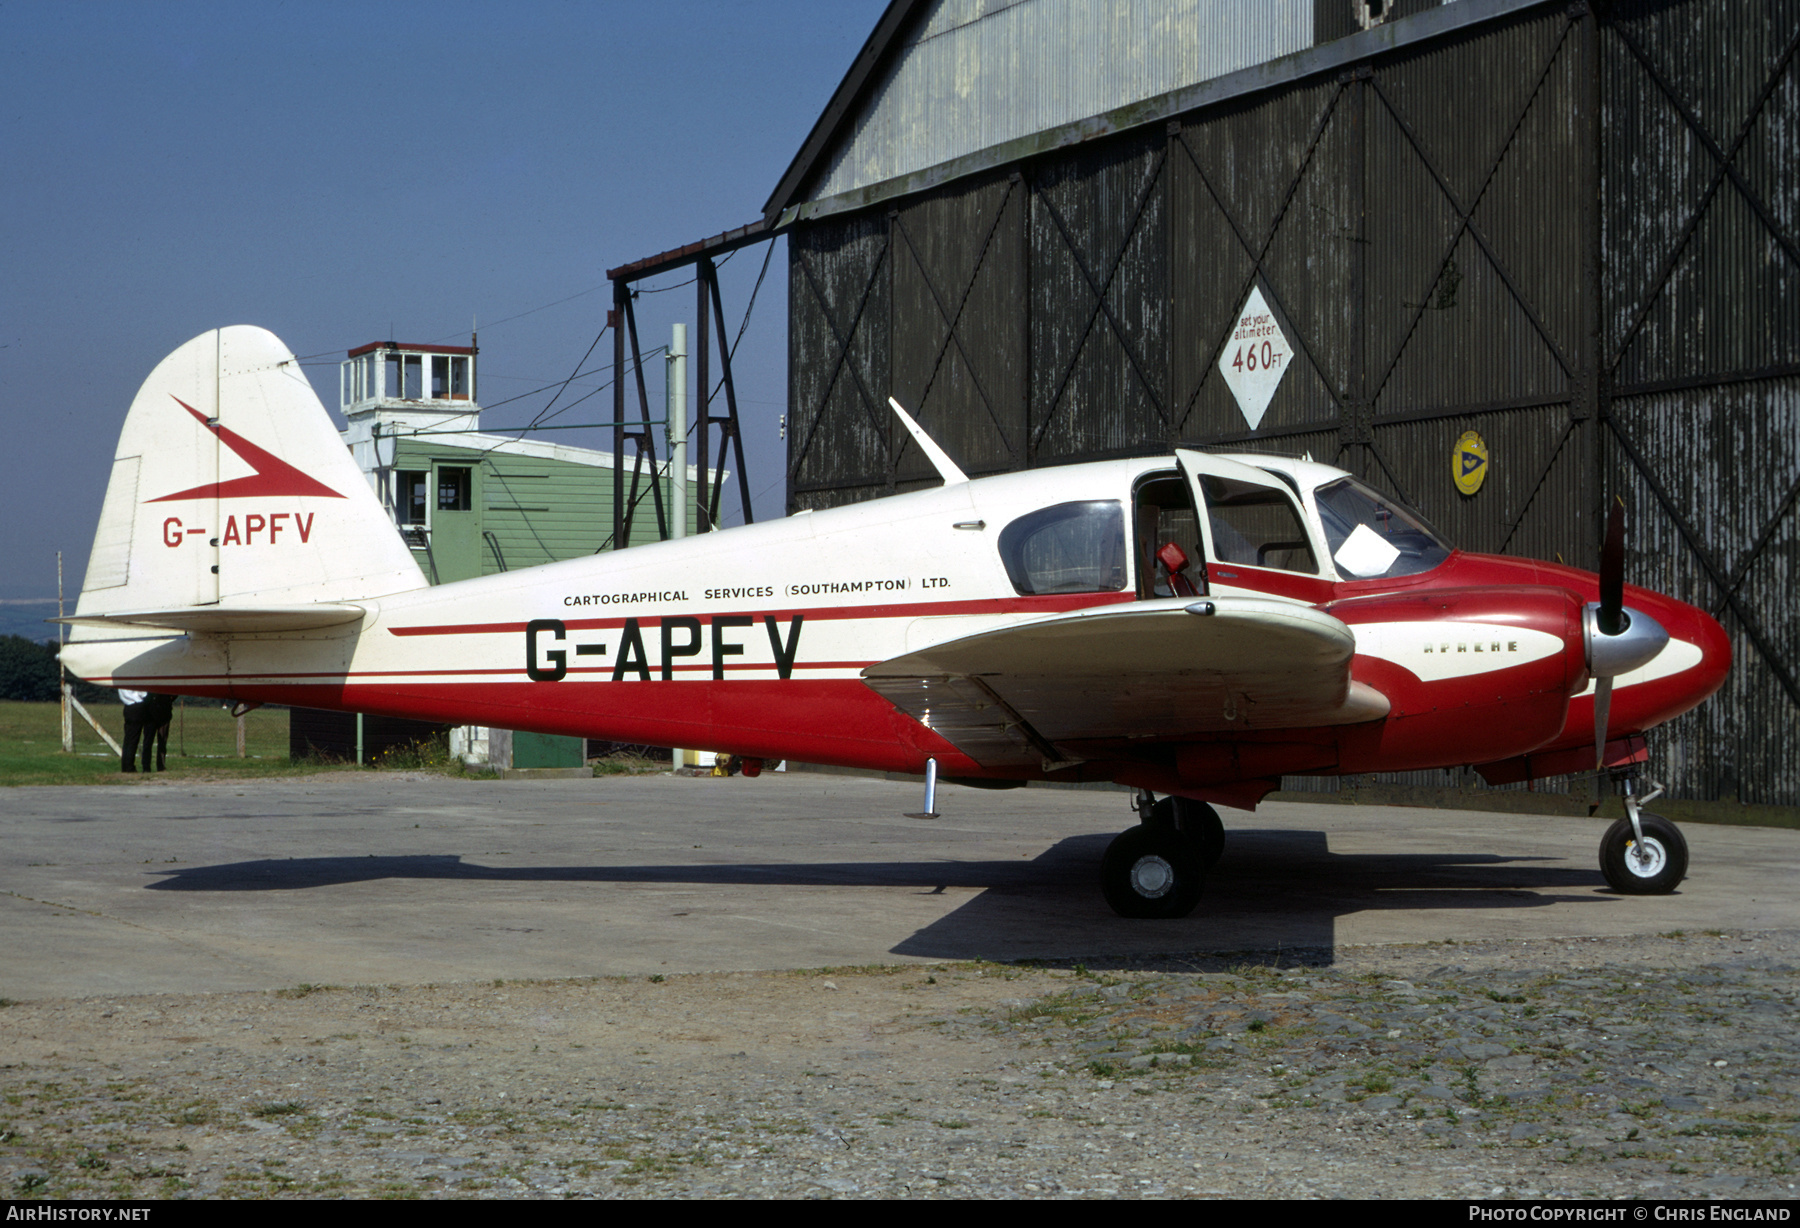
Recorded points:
(1274, 891)
(1275, 896)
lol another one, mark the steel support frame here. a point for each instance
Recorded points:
(706, 299)
(639, 432)
(625, 506)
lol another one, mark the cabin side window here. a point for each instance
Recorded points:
(1069, 548)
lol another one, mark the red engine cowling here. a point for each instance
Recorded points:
(1472, 674)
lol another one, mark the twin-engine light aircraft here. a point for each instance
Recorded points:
(1194, 626)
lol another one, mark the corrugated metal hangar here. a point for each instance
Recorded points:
(1573, 229)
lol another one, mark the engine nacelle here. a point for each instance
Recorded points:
(1472, 674)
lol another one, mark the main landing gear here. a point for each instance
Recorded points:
(1155, 870)
(1643, 853)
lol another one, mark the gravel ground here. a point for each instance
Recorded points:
(1579, 1068)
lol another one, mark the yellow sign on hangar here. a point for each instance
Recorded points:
(1469, 462)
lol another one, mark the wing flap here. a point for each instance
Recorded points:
(965, 715)
(1163, 670)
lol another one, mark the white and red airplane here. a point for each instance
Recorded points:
(1193, 625)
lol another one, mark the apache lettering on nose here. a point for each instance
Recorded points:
(549, 643)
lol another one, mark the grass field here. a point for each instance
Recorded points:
(202, 745)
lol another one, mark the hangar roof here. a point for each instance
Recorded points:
(947, 88)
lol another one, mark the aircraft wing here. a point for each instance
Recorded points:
(1165, 670)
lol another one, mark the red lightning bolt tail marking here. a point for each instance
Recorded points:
(273, 475)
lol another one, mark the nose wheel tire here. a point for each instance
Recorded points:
(1152, 872)
(1653, 869)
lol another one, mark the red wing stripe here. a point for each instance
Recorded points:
(465, 673)
(996, 605)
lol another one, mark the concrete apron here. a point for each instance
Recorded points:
(398, 879)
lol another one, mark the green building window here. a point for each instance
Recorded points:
(410, 486)
(454, 487)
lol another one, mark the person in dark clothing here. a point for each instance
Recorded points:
(159, 712)
(136, 722)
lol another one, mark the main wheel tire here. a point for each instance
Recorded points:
(1201, 823)
(1661, 866)
(1198, 821)
(1152, 872)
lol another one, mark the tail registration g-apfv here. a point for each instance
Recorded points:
(1193, 625)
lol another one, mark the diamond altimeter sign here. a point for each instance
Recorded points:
(1255, 358)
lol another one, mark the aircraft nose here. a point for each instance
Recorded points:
(1715, 645)
(1690, 626)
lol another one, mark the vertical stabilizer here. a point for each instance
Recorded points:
(231, 486)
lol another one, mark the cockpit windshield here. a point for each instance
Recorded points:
(1371, 535)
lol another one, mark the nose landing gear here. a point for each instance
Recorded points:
(1643, 853)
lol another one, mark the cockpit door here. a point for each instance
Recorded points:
(1257, 535)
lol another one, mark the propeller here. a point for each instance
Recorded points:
(1609, 617)
(1619, 639)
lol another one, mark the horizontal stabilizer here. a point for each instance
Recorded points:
(237, 620)
(1165, 670)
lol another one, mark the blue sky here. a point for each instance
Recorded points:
(344, 172)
